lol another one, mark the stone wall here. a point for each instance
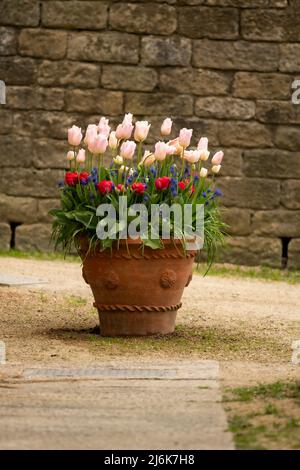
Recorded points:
(223, 67)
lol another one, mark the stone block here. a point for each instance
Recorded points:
(20, 12)
(272, 25)
(8, 41)
(253, 251)
(44, 206)
(290, 197)
(159, 104)
(277, 112)
(24, 97)
(289, 57)
(244, 134)
(271, 163)
(69, 73)
(16, 151)
(287, 137)
(276, 223)
(162, 51)
(18, 209)
(109, 46)
(124, 77)
(262, 86)
(252, 193)
(294, 254)
(33, 237)
(235, 55)
(5, 236)
(224, 108)
(30, 182)
(194, 81)
(238, 221)
(6, 121)
(143, 18)
(248, 3)
(50, 153)
(75, 14)
(43, 43)
(214, 23)
(233, 162)
(94, 101)
(44, 124)
(18, 70)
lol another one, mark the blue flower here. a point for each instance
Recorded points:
(173, 182)
(206, 203)
(174, 191)
(153, 171)
(129, 180)
(204, 194)
(196, 179)
(84, 182)
(208, 191)
(94, 171)
(135, 174)
(146, 198)
(60, 184)
(173, 170)
(218, 192)
(187, 172)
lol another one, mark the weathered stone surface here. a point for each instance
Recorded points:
(290, 197)
(31, 182)
(5, 235)
(33, 237)
(174, 50)
(233, 162)
(273, 25)
(6, 121)
(143, 18)
(235, 55)
(159, 104)
(238, 221)
(94, 101)
(249, 3)
(44, 206)
(262, 85)
(277, 112)
(287, 137)
(67, 73)
(215, 23)
(109, 46)
(289, 58)
(24, 97)
(271, 163)
(195, 81)
(18, 70)
(244, 134)
(294, 254)
(253, 251)
(279, 223)
(20, 12)
(16, 151)
(75, 14)
(43, 124)
(43, 43)
(224, 108)
(8, 41)
(49, 153)
(252, 193)
(123, 77)
(18, 209)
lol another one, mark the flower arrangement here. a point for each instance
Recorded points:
(106, 164)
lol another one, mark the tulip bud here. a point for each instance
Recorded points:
(127, 149)
(203, 172)
(103, 126)
(217, 158)
(141, 130)
(166, 127)
(118, 160)
(113, 141)
(148, 158)
(74, 136)
(192, 156)
(216, 168)
(160, 151)
(185, 136)
(80, 156)
(70, 155)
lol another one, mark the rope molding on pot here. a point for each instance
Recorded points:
(152, 256)
(137, 308)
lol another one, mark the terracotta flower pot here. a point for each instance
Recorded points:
(137, 293)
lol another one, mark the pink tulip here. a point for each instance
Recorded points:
(166, 127)
(80, 156)
(174, 144)
(217, 158)
(90, 134)
(70, 155)
(203, 143)
(148, 158)
(216, 168)
(160, 150)
(141, 130)
(124, 131)
(113, 141)
(127, 149)
(171, 150)
(74, 136)
(192, 156)
(103, 126)
(185, 136)
(99, 144)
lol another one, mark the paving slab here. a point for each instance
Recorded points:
(133, 406)
(13, 280)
